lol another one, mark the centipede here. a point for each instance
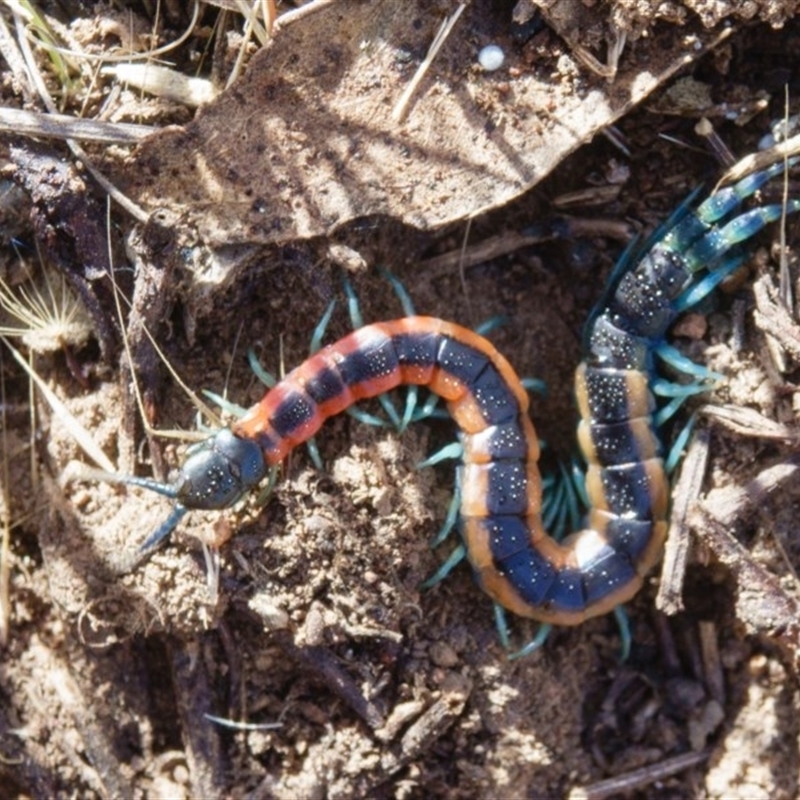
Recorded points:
(516, 562)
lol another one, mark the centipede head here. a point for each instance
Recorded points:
(219, 471)
(214, 476)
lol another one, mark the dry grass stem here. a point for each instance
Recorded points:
(63, 126)
(401, 109)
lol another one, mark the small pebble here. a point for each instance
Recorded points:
(443, 655)
(491, 58)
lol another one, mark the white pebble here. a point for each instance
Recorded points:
(491, 57)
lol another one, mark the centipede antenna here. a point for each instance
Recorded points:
(164, 489)
(165, 529)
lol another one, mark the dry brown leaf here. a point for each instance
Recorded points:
(305, 143)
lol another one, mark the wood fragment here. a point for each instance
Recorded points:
(733, 504)
(638, 778)
(748, 422)
(676, 553)
(511, 241)
(195, 701)
(712, 663)
(762, 160)
(63, 126)
(321, 662)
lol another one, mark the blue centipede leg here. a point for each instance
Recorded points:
(575, 500)
(266, 377)
(449, 521)
(624, 627)
(668, 411)
(430, 410)
(266, 491)
(718, 240)
(501, 623)
(534, 386)
(679, 445)
(695, 293)
(534, 644)
(491, 324)
(451, 451)
(322, 326)
(455, 558)
(234, 409)
(677, 360)
(552, 503)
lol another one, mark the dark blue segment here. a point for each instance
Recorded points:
(493, 396)
(627, 491)
(325, 385)
(616, 443)
(642, 302)
(416, 349)
(530, 573)
(610, 346)
(664, 271)
(376, 359)
(607, 394)
(295, 409)
(461, 361)
(567, 592)
(606, 575)
(507, 491)
(506, 440)
(629, 536)
(507, 536)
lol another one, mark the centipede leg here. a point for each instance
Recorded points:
(534, 644)
(455, 558)
(679, 445)
(449, 521)
(452, 451)
(624, 628)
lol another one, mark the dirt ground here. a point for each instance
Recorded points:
(308, 613)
